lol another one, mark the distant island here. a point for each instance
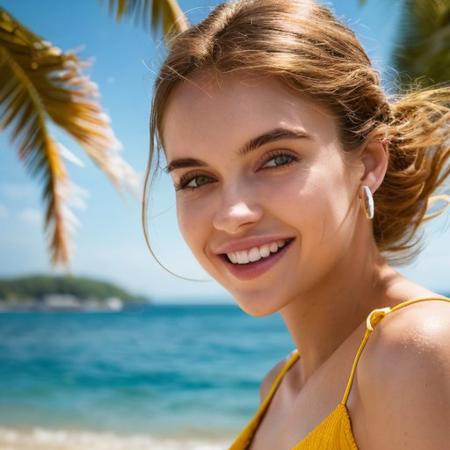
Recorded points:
(64, 293)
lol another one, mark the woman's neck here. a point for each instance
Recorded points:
(322, 319)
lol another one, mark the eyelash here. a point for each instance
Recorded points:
(186, 179)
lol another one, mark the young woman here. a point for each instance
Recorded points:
(298, 185)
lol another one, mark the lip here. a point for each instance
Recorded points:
(249, 243)
(257, 268)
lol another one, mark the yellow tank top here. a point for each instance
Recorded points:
(334, 432)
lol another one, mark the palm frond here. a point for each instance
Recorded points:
(22, 110)
(423, 50)
(151, 12)
(37, 83)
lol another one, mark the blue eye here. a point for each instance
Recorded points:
(284, 159)
(281, 158)
(185, 181)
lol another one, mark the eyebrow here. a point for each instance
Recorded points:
(270, 136)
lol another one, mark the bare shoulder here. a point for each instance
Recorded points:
(269, 378)
(404, 378)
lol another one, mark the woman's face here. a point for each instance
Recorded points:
(240, 192)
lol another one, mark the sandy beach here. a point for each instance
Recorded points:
(47, 439)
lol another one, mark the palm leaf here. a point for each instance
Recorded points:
(423, 53)
(37, 83)
(37, 149)
(153, 12)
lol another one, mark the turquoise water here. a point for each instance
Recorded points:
(165, 371)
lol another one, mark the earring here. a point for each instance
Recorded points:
(368, 203)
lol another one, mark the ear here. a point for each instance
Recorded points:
(374, 156)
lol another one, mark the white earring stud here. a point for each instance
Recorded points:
(369, 206)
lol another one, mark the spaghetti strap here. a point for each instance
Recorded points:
(371, 321)
(247, 433)
(289, 360)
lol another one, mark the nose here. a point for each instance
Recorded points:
(236, 213)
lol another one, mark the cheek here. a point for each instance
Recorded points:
(299, 199)
(193, 219)
(314, 202)
(328, 216)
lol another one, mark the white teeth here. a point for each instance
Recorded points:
(232, 257)
(255, 253)
(242, 257)
(265, 251)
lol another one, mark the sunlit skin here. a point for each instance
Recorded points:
(332, 275)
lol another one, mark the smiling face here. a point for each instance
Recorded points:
(293, 181)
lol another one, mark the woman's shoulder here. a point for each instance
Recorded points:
(406, 336)
(414, 331)
(403, 377)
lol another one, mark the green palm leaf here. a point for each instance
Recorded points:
(153, 12)
(424, 44)
(37, 83)
(422, 52)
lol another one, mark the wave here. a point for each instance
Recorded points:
(38, 438)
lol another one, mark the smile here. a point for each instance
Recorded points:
(249, 270)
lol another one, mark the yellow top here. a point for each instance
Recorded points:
(335, 431)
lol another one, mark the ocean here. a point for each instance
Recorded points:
(164, 377)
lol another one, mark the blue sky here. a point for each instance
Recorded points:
(109, 241)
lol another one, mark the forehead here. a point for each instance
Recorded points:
(220, 112)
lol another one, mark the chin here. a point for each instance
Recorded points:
(258, 313)
(258, 306)
(254, 301)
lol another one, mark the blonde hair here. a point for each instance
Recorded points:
(303, 45)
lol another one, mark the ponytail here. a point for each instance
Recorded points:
(418, 134)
